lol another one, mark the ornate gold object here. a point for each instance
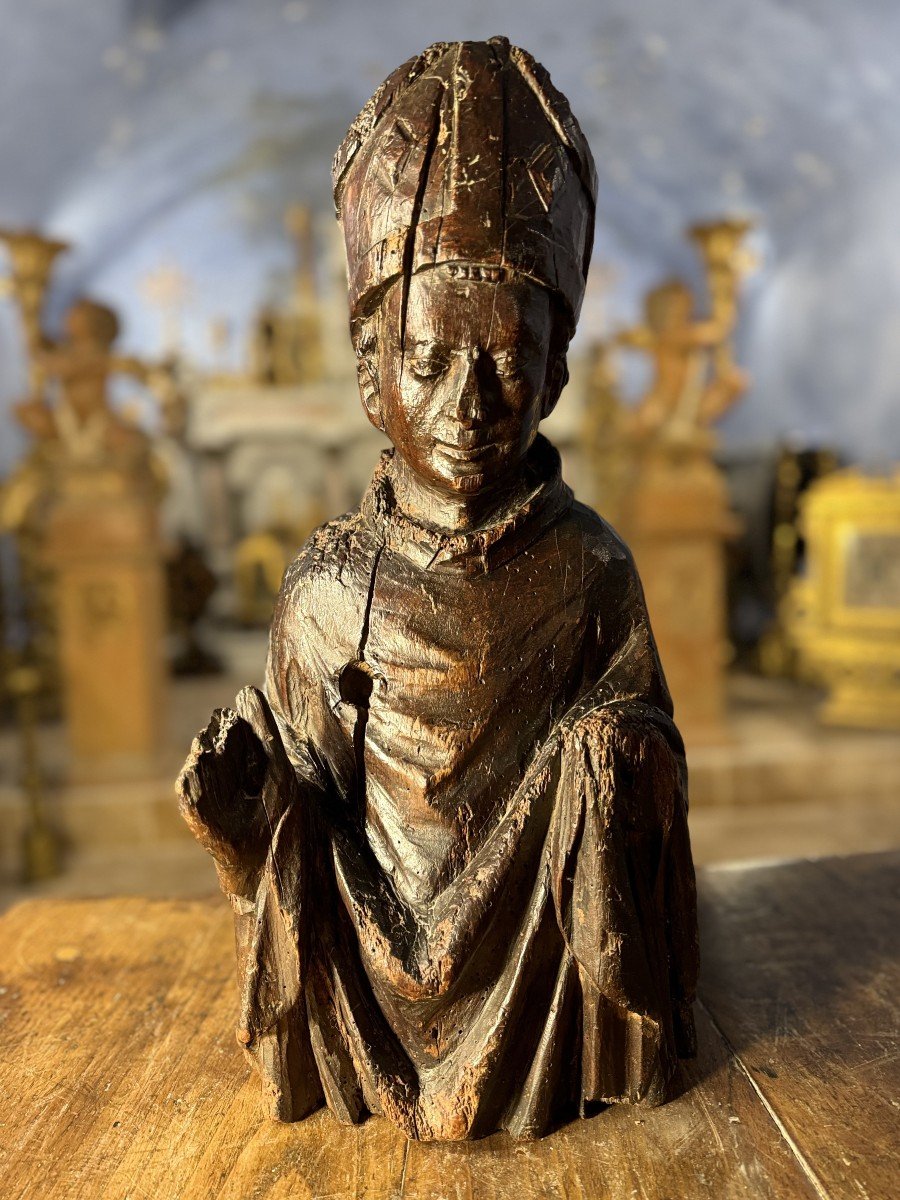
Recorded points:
(84, 508)
(726, 260)
(657, 481)
(844, 614)
(24, 494)
(39, 844)
(261, 558)
(287, 343)
(31, 258)
(607, 434)
(695, 377)
(794, 472)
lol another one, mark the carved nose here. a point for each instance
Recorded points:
(468, 408)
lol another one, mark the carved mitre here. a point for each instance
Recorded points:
(466, 154)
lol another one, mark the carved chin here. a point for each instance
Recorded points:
(468, 484)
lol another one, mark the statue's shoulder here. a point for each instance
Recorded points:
(598, 538)
(606, 569)
(330, 554)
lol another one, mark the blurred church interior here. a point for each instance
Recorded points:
(179, 406)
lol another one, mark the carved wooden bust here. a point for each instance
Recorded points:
(453, 830)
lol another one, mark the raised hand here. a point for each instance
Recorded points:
(234, 786)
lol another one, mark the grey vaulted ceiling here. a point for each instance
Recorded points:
(177, 131)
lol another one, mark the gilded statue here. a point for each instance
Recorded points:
(654, 475)
(72, 426)
(76, 417)
(83, 505)
(453, 828)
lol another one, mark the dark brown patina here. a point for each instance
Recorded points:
(462, 880)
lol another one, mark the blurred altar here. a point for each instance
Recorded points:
(179, 404)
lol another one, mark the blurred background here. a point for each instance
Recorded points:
(178, 403)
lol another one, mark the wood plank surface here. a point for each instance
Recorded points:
(802, 977)
(120, 1076)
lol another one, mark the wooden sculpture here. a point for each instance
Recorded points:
(453, 831)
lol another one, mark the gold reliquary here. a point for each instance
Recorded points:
(843, 614)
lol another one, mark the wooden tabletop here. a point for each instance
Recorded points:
(120, 1076)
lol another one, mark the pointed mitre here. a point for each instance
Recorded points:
(466, 154)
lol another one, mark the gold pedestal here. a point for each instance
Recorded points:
(102, 545)
(676, 521)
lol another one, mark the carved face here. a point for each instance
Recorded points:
(463, 400)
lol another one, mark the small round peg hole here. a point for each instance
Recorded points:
(355, 684)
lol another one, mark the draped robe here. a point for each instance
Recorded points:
(475, 910)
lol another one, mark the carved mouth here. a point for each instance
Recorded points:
(468, 453)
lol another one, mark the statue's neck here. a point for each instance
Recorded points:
(453, 511)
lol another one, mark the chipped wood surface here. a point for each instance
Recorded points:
(120, 1078)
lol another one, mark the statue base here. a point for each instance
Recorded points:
(102, 547)
(677, 520)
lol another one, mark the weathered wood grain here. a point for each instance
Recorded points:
(120, 1080)
(802, 976)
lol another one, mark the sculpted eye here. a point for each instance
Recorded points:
(427, 367)
(507, 367)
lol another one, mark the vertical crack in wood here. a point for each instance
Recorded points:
(409, 248)
(503, 173)
(367, 613)
(359, 755)
(504, 152)
(801, 1159)
(362, 708)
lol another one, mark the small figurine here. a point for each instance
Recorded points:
(695, 378)
(82, 424)
(454, 830)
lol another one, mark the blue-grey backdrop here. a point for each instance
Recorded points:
(160, 131)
